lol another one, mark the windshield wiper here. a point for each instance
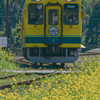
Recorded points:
(36, 24)
(71, 26)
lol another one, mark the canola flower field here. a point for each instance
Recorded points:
(73, 86)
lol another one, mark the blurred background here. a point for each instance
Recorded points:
(90, 31)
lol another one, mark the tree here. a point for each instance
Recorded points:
(88, 5)
(94, 24)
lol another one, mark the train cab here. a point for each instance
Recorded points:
(52, 30)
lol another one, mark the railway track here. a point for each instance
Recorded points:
(36, 71)
(89, 54)
(28, 82)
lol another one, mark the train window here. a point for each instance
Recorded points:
(35, 14)
(53, 17)
(71, 14)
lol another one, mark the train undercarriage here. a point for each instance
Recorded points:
(51, 55)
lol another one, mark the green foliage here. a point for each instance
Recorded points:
(16, 36)
(16, 11)
(94, 25)
(6, 60)
(88, 5)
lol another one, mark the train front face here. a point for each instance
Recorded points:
(52, 30)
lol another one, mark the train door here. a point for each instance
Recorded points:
(53, 25)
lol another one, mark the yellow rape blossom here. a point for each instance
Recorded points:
(34, 79)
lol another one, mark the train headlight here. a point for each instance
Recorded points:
(35, 0)
(70, 0)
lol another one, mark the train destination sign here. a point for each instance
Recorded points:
(3, 41)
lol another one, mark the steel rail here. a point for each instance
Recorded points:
(7, 76)
(89, 54)
(4, 77)
(28, 82)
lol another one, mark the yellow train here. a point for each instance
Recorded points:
(51, 30)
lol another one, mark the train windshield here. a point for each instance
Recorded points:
(71, 14)
(35, 14)
(53, 16)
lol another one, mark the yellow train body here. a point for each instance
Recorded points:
(51, 30)
(71, 34)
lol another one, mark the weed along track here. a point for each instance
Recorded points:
(40, 71)
(51, 84)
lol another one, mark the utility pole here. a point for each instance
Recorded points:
(7, 20)
(96, 33)
(10, 27)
